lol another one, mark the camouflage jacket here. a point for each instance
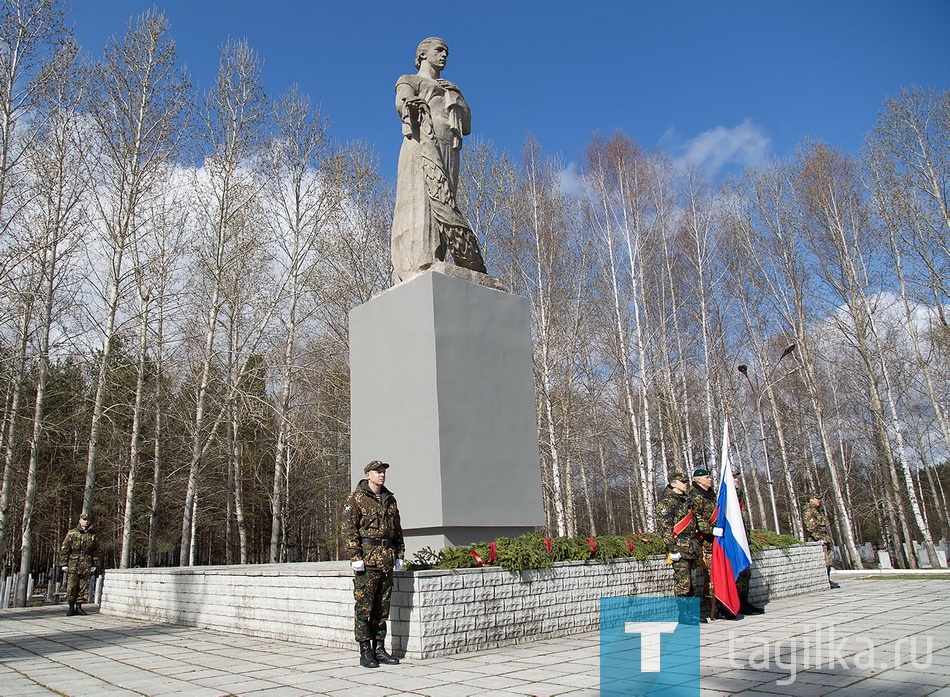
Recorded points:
(703, 503)
(367, 515)
(79, 548)
(677, 524)
(816, 523)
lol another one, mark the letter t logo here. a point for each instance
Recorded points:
(649, 642)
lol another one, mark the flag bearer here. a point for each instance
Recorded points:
(677, 526)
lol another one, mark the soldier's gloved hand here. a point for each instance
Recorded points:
(675, 556)
(92, 569)
(399, 564)
(358, 565)
(717, 532)
(65, 568)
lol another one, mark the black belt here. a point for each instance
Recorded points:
(374, 542)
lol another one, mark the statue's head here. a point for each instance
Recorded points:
(425, 45)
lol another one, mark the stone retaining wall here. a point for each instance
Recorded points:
(433, 612)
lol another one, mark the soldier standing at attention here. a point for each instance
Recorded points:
(703, 499)
(677, 527)
(819, 529)
(78, 558)
(372, 533)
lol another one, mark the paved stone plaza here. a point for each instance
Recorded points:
(843, 642)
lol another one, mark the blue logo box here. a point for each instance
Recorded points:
(649, 646)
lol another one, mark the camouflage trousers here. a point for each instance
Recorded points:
(707, 567)
(829, 556)
(372, 590)
(687, 578)
(77, 583)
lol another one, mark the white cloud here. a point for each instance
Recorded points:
(745, 145)
(570, 181)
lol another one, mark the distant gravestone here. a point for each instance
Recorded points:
(867, 553)
(884, 559)
(941, 559)
(943, 545)
(923, 559)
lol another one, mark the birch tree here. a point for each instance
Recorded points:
(137, 102)
(29, 31)
(55, 217)
(304, 192)
(235, 115)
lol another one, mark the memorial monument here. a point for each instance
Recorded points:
(441, 374)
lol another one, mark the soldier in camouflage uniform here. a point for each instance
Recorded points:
(677, 526)
(372, 533)
(819, 529)
(703, 500)
(742, 581)
(78, 557)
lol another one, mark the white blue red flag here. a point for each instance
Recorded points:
(731, 555)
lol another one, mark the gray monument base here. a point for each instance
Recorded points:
(442, 388)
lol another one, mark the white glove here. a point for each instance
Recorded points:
(399, 564)
(92, 569)
(358, 565)
(675, 556)
(65, 568)
(717, 532)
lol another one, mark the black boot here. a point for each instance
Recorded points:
(379, 650)
(724, 613)
(367, 659)
(747, 608)
(72, 608)
(79, 610)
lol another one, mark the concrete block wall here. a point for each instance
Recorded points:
(437, 612)
(784, 573)
(310, 602)
(433, 613)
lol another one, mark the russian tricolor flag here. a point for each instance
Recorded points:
(730, 555)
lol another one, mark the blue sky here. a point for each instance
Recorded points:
(727, 83)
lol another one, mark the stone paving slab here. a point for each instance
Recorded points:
(876, 636)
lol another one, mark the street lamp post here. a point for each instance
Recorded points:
(744, 369)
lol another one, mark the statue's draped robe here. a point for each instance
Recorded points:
(427, 221)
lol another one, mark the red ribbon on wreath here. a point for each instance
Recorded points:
(493, 552)
(547, 544)
(630, 544)
(593, 545)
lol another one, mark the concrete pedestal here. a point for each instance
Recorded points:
(441, 387)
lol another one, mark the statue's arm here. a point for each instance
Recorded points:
(404, 94)
(466, 116)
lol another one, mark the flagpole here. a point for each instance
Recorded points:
(758, 408)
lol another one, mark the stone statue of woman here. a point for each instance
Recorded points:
(427, 221)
